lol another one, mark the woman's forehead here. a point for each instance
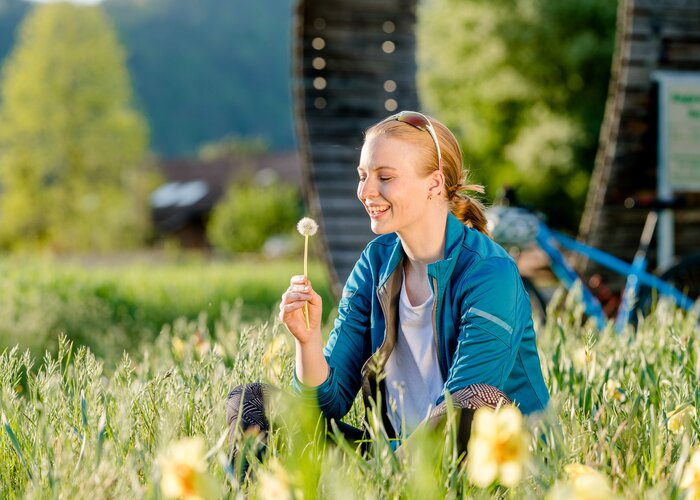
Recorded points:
(388, 152)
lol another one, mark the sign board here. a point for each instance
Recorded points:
(679, 130)
(679, 148)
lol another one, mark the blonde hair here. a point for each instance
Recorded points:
(466, 208)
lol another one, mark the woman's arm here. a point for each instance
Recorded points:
(311, 366)
(489, 329)
(331, 376)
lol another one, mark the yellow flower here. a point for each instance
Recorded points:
(582, 483)
(680, 417)
(274, 483)
(184, 471)
(691, 477)
(178, 347)
(582, 358)
(201, 344)
(497, 449)
(614, 392)
(576, 470)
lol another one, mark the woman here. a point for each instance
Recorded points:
(433, 305)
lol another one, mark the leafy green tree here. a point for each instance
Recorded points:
(72, 148)
(250, 213)
(524, 84)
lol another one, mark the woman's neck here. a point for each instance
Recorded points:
(424, 244)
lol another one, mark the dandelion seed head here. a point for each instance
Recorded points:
(307, 226)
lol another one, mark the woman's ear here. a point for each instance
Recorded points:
(437, 183)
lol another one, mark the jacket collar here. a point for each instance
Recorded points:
(441, 270)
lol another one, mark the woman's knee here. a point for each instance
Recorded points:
(473, 397)
(246, 407)
(465, 402)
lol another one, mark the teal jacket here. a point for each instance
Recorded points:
(481, 316)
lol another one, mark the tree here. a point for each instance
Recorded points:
(226, 63)
(72, 148)
(524, 84)
(250, 213)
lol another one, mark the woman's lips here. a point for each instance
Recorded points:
(375, 212)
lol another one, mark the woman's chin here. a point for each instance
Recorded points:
(378, 228)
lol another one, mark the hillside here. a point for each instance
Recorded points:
(200, 70)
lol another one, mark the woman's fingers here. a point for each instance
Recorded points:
(299, 280)
(292, 306)
(295, 296)
(299, 294)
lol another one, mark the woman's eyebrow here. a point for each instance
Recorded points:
(381, 167)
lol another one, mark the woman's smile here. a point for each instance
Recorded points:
(376, 211)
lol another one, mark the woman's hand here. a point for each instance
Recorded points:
(291, 314)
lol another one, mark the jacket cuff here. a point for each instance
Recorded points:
(309, 393)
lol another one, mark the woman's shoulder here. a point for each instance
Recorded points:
(480, 246)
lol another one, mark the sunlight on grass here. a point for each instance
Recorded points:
(70, 430)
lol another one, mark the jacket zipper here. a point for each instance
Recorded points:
(365, 382)
(438, 344)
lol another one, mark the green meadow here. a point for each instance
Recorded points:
(77, 424)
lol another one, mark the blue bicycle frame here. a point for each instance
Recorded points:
(636, 273)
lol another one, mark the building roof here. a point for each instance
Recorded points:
(192, 187)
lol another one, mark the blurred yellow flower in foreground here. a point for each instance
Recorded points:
(680, 417)
(582, 483)
(275, 484)
(691, 477)
(614, 392)
(497, 450)
(184, 471)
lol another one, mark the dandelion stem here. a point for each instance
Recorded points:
(306, 275)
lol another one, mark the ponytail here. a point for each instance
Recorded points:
(467, 209)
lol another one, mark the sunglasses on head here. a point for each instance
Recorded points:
(421, 122)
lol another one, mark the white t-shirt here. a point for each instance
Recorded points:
(413, 378)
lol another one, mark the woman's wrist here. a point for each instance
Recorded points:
(311, 366)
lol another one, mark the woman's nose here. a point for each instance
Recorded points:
(366, 189)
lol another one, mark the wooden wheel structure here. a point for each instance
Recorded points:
(354, 64)
(652, 35)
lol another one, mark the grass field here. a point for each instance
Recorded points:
(115, 306)
(622, 421)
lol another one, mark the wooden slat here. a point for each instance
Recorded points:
(330, 136)
(652, 35)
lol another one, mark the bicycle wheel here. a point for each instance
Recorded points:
(539, 305)
(683, 274)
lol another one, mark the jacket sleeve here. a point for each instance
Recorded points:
(489, 334)
(348, 346)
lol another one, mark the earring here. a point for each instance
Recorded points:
(430, 196)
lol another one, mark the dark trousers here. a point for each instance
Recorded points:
(248, 411)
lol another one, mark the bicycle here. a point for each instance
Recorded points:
(520, 227)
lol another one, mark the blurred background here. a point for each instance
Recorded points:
(148, 155)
